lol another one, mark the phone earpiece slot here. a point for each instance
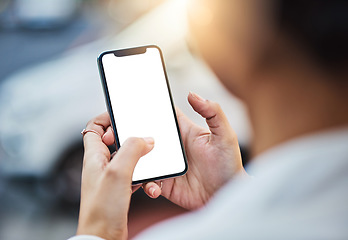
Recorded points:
(130, 51)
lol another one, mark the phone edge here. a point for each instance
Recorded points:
(113, 123)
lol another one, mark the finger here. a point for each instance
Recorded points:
(109, 137)
(99, 124)
(152, 189)
(96, 152)
(123, 163)
(179, 113)
(187, 127)
(183, 120)
(135, 188)
(212, 112)
(185, 124)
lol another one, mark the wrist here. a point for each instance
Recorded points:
(101, 230)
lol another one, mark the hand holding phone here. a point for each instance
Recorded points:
(140, 104)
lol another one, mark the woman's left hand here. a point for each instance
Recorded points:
(107, 184)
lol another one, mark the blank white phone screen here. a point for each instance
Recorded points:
(142, 107)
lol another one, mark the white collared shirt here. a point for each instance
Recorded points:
(300, 191)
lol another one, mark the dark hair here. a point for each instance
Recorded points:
(321, 26)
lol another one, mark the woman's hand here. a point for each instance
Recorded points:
(213, 157)
(106, 185)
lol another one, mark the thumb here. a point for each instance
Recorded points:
(212, 112)
(128, 155)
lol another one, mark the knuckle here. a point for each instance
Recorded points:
(90, 122)
(216, 106)
(98, 120)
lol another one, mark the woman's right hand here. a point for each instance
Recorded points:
(213, 157)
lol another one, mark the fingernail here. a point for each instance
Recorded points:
(149, 140)
(152, 191)
(197, 96)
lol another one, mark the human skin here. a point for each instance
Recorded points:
(287, 97)
(213, 159)
(106, 185)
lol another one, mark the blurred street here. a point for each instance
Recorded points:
(27, 209)
(21, 47)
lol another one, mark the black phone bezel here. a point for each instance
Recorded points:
(128, 52)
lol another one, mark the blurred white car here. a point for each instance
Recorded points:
(44, 108)
(48, 14)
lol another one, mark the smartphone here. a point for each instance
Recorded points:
(140, 104)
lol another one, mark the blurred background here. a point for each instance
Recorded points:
(50, 88)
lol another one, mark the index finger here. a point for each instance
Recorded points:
(212, 112)
(98, 124)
